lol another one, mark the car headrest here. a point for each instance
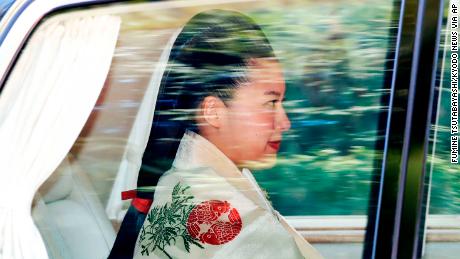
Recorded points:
(60, 184)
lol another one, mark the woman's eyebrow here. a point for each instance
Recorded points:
(271, 92)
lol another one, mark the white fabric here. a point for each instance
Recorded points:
(128, 171)
(212, 176)
(67, 211)
(44, 106)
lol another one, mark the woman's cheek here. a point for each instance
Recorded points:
(267, 121)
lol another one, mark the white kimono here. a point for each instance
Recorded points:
(204, 207)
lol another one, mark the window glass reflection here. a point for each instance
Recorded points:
(332, 58)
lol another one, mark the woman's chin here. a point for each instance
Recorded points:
(266, 162)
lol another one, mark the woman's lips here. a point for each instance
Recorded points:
(274, 144)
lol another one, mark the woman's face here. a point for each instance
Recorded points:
(254, 119)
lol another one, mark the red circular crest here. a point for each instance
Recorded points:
(214, 222)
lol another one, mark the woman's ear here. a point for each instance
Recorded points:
(211, 111)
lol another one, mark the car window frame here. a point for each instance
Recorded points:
(398, 221)
(394, 193)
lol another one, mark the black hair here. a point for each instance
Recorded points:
(209, 58)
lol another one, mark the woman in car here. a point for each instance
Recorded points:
(219, 112)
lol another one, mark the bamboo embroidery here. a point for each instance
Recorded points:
(167, 224)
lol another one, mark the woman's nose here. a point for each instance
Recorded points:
(284, 123)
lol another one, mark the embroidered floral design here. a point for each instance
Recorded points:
(214, 222)
(166, 224)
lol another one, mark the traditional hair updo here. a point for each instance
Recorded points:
(209, 58)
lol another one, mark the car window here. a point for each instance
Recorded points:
(4, 6)
(333, 57)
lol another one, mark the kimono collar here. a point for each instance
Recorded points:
(196, 151)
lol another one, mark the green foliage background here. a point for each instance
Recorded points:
(334, 59)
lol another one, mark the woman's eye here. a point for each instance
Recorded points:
(272, 103)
